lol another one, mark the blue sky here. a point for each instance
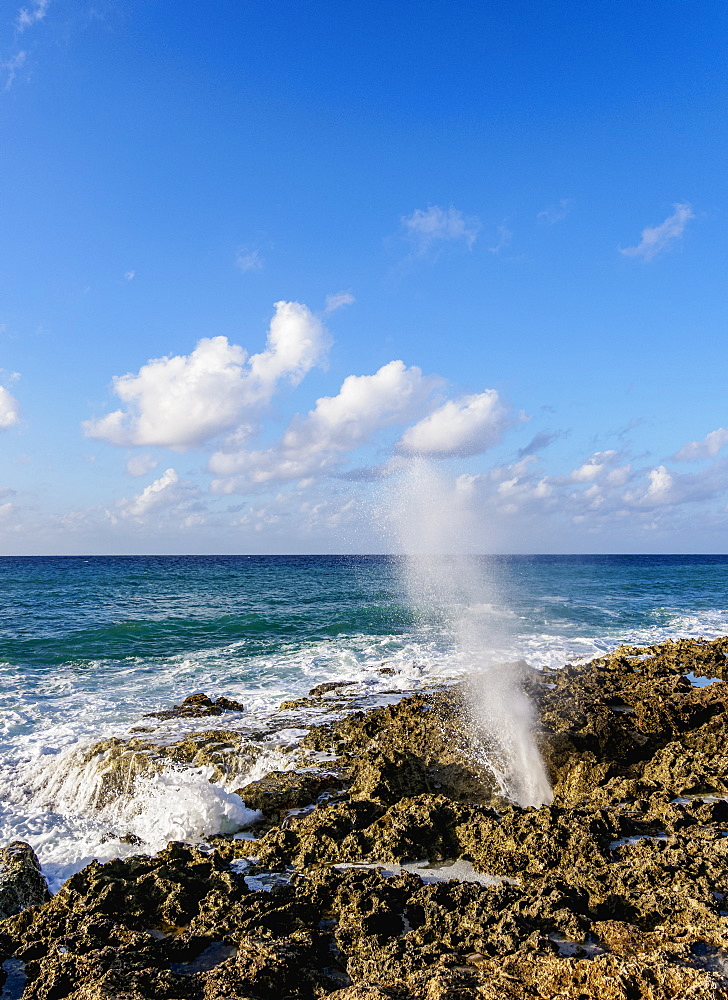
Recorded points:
(257, 258)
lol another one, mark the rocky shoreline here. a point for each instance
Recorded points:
(618, 889)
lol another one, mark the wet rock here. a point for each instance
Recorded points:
(416, 746)
(282, 791)
(198, 706)
(369, 991)
(618, 890)
(117, 764)
(328, 686)
(21, 882)
(229, 704)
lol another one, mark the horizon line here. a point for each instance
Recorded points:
(347, 555)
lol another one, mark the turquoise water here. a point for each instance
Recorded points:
(55, 610)
(89, 645)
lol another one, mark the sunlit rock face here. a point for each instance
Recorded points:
(392, 865)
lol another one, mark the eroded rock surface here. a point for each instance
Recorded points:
(198, 706)
(618, 890)
(21, 882)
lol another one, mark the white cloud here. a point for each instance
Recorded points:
(296, 342)
(157, 494)
(183, 401)
(177, 402)
(170, 498)
(661, 486)
(670, 489)
(9, 409)
(338, 300)
(618, 476)
(594, 466)
(433, 225)
(707, 448)
(140, 465)
(517, 501)
(364, 404)
(337, 425)
(511, 490)
(12, 67)
(248, 260)
(288, 514)
(465, 426)
(129, 275)
(658, 238)
(28, 16)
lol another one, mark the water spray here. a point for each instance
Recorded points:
(449, 588)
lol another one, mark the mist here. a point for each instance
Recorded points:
(452, 590)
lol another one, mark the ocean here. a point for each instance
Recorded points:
(89, 646)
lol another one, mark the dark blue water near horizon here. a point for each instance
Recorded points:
(53, 608)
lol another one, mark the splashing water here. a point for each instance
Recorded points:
(449, 591)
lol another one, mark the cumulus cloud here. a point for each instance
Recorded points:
(158, 494)
(337, 425)
(296, 342)
(180, 401)
(169, 497)
(510, 489)
(709, 447)
(315, 515)
(661, 486)
(518, 501)
(594, 466)
(669, 489)
(465, 426)
(183, 401)
(428, 227)
(363, 404)
(9, 409)
(337, 301)
(655, 239)
(140, 465)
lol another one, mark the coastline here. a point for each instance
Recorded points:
(614, 890)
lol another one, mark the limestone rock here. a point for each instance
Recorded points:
(616, 891)
(21, 882)
(282, 791)
(198, 706)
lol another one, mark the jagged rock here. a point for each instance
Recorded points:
(198, 706)
(386, 779)
(368, 991)
(118, 762)
(281, 791)
(618, 890)
(328, 686)
(21, 882)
